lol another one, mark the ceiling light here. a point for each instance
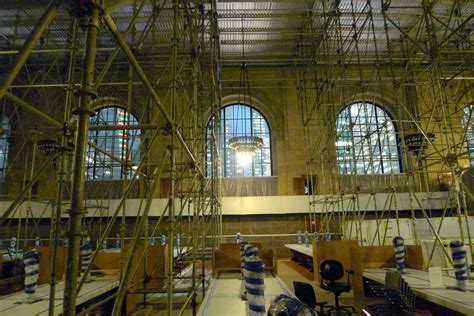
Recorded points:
(245, 145)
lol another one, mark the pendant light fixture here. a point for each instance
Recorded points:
(246, 144)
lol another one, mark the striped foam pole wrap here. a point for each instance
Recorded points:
(254, 282)
(117, 241)
(316, 236)
(163, 240)
(178, 241)
(242, 292)
(86, 254)
(399, 245)
(458, 252)
(238, 237)
(12, 247)
(243, 286)
(242, 256)
(31, 262)
(306, 238)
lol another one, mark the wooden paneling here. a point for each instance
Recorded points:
(368, 257)
(46, 259)
(414, 257)
(108, 260)
(298, 186)
(332, 249)
(227, 257)
(380, 257)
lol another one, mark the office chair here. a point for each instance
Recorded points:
(305, 293)
(331, 271)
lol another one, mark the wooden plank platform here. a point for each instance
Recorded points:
(301, 248)
(222, 297)
(302, 254)
(9, 304)
(462, 302)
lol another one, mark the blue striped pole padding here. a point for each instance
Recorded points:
(178, 241)
(163, 240)
(306, 238)
(256, 309)
(31, 261)
(250, 251)
(243, 285)
(316, 236)
(117, 241)
(256, 291)
(255, 286)
(242, 254)
(299, 238)
(12, 244)
(256, 298)
(399, 245)
(86, 254)
(254, 282)
(458, 252)
(242, 292)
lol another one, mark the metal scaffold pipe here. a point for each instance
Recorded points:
(30, 43)
(83, 114)
(172, 150)
(56, 218)
(112, 27)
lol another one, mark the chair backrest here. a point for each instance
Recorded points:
(305, 293)
(331, 270)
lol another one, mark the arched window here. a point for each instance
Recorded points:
(121, 143)
(468, 123)
(241, 120)
(4, 134)
(366, 141)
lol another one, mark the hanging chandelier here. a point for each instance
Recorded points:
(245, 145)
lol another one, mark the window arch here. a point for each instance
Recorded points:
(4, 134)
(122, 143)
(241, 120)
(468, 123)
(366, 140)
